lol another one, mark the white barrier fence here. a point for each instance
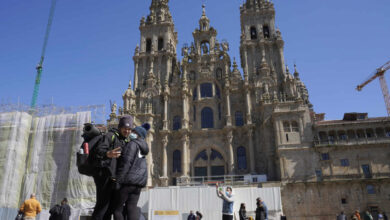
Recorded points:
(205, 200)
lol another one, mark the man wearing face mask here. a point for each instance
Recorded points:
(131, 174)
(106, 152)
(228, 202)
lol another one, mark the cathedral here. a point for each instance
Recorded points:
(212, 118)
(209, 116)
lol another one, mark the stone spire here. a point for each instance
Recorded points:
(296, 73)
(257, 4)
(159, 12)
(204, 22)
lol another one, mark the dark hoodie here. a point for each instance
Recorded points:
(132, 167)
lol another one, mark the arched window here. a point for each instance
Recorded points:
(294, 126)
(195, 93)
(148, 45)
(266, 31)
(215, 154)
(202, 155)
(218, 73)
(207, 118)
(206, 90)
(286, 126)
(241, 158)
(239, 119)
(176, 161)
(253, 33)
(176, 123)
(160, 43)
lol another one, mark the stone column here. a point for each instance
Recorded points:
(165, 117)
(276, 130)
(149, 157)
(246, 62)
(248, 106)
(136, 73)
(184, 163)
(164, 178)
(185, 94)
(301, 129)
(229, 140)
(169, 67)
(159, 68)
(281, 131)
(251, 151)
(228, 112)
(198, 91)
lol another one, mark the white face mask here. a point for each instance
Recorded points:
(133, 136)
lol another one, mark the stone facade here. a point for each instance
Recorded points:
(346, 168)
(209, 117)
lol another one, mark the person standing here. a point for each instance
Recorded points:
(65, 210)
(385, 216)
(367, 215)
(198, 216)
(261, 210)
(191, 216)
(131, 174)
(31, 208)
(106, 153)
(242, 212)
(228, 201)
(342, 216)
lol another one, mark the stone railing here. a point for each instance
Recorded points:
(355, 141)
(224, 180)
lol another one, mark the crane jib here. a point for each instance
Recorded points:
(39, 67)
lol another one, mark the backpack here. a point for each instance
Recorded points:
(19, 216)
(89, 164)
(55, 212)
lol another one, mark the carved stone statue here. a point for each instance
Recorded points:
(113, 108)
(225, 46)
(205, 49)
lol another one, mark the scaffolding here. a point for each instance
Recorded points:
(98, 115)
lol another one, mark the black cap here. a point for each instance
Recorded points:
(126, 122)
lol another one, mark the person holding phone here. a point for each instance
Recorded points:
(228, 202)
(108, 150)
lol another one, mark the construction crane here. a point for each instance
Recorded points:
(40, 64)
(380, 72)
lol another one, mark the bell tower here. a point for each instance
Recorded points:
(154, 58)
(261, 46)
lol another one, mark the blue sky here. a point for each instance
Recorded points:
(335, 44)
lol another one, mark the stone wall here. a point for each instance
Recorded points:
(323, 200)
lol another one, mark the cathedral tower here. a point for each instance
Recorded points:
(157, 51)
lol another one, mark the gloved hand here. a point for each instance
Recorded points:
(115, 184)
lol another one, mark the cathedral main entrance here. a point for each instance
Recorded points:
(209, 163)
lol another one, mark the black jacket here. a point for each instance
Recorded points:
(242, 213)
(131, 167)
(112, 139)
(260, 213)
(65, 212)
(55, 213)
